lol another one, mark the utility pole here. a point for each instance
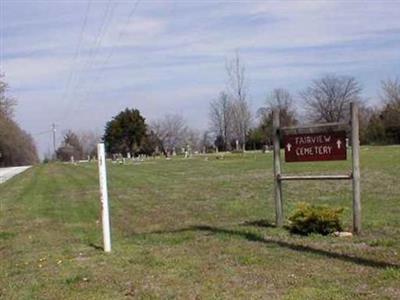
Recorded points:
(54, 139)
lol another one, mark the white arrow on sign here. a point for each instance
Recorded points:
(289, 147)
(339, 143)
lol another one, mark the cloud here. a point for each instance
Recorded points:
(35, 72)
(170, 55)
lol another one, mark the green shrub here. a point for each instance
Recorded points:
(315, 219)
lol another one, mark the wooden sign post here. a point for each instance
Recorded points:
(277, 170)
(355, 149)
(320, 142)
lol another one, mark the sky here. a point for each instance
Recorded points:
(78, 63)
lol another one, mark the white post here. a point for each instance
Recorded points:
(104, 197)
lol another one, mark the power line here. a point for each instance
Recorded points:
(77, 54)
(100, 37)
(111, 53)
(77, 50)
(121, 32)
(107, 16)
(41, 133)
(93, 51)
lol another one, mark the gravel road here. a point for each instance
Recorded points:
(7, 173)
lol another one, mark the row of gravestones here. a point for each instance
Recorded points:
(187, 152)
(89, 159)
(120, 159)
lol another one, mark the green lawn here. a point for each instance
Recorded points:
(197, 229)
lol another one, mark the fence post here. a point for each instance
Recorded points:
(355, 149)
(277, 168)
(104, 197)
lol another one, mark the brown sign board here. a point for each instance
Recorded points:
(315, 146)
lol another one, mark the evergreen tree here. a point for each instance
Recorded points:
(125, 132)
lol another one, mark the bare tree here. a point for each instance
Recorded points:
(89, 140)
(171, 131)
(391, 92)
(237, 82)
(7, 103)
(206, 142)
(328, 98)
(282, 100)
(70, 147)
(193, 139)
(237, 87)
(366, 114)
(221, 118)
(17, 147)
(390, 114)
(241, 121)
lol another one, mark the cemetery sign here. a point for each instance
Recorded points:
(317, 142)
(315, 146)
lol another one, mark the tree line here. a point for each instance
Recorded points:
(77, 146)
(233, 127)
(128, 133)
(17, 147)
(326, 100)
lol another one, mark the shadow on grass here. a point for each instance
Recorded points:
(96, 247)
(253, 237)
(259, 223)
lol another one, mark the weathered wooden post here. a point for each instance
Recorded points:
(104, 197)
(277, 168)
(355, 149)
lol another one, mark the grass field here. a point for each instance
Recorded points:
(197, 229)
